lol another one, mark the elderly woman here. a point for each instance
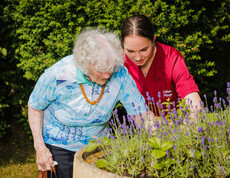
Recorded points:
(73, 99)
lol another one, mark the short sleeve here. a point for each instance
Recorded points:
(44, 91)
(131, 98)
(182, 79)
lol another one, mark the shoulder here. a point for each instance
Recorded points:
(64, 68)
(120, 72)
(68, 60)
(168, 52)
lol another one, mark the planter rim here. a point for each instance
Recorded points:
(79, 162)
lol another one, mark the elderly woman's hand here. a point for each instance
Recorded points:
(44, 158)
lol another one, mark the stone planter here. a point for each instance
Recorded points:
(84, 167)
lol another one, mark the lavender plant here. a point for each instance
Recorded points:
(175, 146)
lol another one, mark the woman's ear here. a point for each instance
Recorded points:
(154, 38)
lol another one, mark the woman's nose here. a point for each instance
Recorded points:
(106, 75)
(138, 57)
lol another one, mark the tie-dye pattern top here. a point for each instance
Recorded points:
(69, 120)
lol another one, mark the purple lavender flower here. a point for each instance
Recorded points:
(158, 105)
(157, 124)
(117, 146)
(214, 100)
(162, 106)
(177, 123)
(223, 100)
(167, 153)
(221, 123)
(169, 107)
(205, 96)
(192, 166)
(173, 103)
(140, 149)
(202, 141)
(115, 112)
(147, 94)
(211, 108)
(99, 141)
(204, 154)
(174, 147)
(210, 124)
(200, 129)
(228, 90)
(149, 129)
(139, 131)
(215, 92)
(228, 84)
(159, 94)
(143, 160)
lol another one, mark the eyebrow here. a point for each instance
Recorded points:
(139, 50)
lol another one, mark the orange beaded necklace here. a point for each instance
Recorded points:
(86, 98)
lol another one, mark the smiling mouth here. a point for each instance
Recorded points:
(140, 62)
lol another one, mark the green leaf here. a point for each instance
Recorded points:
(158, 166)
(169, 162)
(155, 142)
(225, 153)
(106, 141)
(166, 146)
(158, 154)
(190, 153)
(91, 146)
(102, 163)
(198, 154)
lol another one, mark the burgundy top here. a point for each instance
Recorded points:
(168, 77)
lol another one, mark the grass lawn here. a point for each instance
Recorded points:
(17, 155)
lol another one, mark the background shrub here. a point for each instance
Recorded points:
(35, 34)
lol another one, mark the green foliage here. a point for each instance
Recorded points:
(36, 34)
(3, 127)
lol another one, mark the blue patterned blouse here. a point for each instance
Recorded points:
(69, 121)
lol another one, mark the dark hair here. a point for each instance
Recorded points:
(137, 25)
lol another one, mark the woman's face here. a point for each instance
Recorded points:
(97, 76)
(139, 49)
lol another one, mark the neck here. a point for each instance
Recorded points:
(88, 78)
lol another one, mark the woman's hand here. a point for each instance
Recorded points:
(44, 158)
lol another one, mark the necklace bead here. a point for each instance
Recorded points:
(87, 99)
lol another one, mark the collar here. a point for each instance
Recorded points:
(80, 77)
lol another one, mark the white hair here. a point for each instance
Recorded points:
(99, 48)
